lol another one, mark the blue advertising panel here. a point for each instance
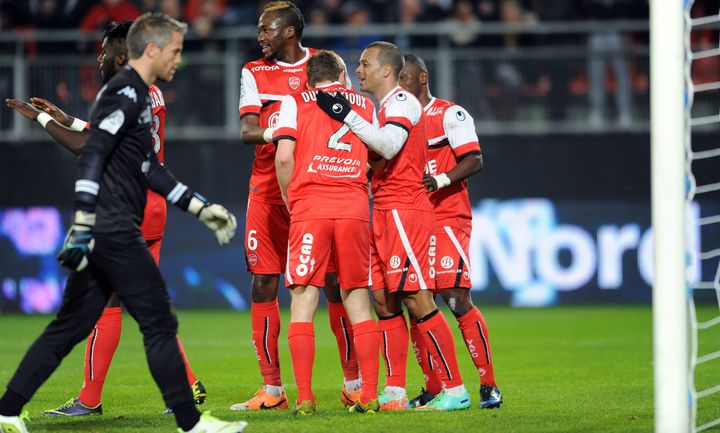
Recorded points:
(525, 252)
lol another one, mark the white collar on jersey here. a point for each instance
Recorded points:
(299, 62)
(429, 104)
(321, 86)
(390, 93)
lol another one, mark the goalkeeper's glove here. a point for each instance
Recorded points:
(79, 242)
(434, 183)
(335, 106)
(215, 217)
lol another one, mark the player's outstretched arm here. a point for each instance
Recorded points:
(386, 141)
(252, 133)
(74, 141)
(214, 216)
(470, 164)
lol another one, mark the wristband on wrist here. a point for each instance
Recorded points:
(43, 119)
(442, 180)
(268, 134)
(78, 125)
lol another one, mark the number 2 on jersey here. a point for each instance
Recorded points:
(334, 140)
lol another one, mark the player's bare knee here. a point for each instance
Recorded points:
(264, 288)
(459, 300)
(384, 305)
(420, 304)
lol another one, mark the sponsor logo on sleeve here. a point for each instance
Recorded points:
(113, 122)
(128, 91)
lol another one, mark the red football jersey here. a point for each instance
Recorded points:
(450, 137)
(153, 226)
(264, 84)
(399, 185)
(330, 176)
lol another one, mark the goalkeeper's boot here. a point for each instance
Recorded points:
(349, 398)
(389, 403)
(421, 400)
(490, 397)
(74, 407)
(262, 400)
(372, 406)
(14, 424)
(447, 402)
(199, 392)
(199, 395)
(306, 407)
(210, 424)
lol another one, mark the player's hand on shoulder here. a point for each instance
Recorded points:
(22, 107)
(429, 182)
(78, 243)
(56, 113)
(335, 106)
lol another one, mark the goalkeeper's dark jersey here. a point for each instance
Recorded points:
(118, 164)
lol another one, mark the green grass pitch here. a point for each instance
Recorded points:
(568, 369)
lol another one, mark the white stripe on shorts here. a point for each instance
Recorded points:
(408, 249)
(458, 247)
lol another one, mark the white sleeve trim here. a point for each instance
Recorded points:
(386, 141)
(459, 127)
(88, 186)
(249, 95)
(176, 193)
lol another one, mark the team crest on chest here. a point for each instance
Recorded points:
(294, 82)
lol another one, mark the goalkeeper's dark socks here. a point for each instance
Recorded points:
(477, 339)
(433, 385)
(265, 332)
(343, 330)
(99, 352)
(367, 344)
(186, 415)
(191, 376)
(393, 349)
(11, 403)
(441, 345)
(301, 339)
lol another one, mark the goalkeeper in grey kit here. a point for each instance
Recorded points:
(104, 247)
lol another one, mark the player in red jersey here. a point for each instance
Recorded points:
(264, 83)
(319, 160)
(453, 156)
(72, 134)
(403, 227)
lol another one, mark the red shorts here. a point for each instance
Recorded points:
(315, 243)
(403, 254)
(452, 269)
(266, 237)
(154, 247)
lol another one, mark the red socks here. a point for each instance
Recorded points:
(393, 348)
(301, 339)
(265, 332)
(100, 348)
(430, 369)
(343, 330)
(367, 345)
(475, 333)
(188, 370)
(440, 343)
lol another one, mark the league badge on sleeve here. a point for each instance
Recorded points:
(460, 115)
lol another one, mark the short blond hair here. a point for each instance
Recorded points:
(152, 27)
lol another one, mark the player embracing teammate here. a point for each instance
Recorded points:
(265, 82)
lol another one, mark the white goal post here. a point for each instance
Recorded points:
(668, 134)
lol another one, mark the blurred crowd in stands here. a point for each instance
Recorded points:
(604, 66)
